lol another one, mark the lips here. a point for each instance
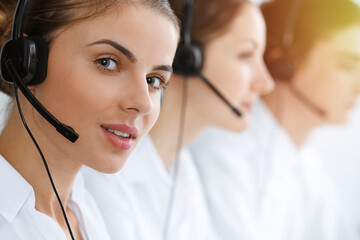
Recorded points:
(121, 136)
(121, 129)
(248, 106)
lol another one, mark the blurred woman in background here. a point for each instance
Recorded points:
(273, 183)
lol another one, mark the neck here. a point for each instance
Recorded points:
(165, 133)
(18, 149)
(293, 113)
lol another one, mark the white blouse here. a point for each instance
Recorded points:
(260, 186)
(19, 220)
(134, 201)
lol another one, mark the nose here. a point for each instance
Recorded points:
(263, 82)
(136, 99)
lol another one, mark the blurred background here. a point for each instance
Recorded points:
(339, 144)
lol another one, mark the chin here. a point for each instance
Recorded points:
(109, 165)
(238, 125)
(339, 119)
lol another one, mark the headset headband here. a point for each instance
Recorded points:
(187, 21)
(189, 57)
(18, 23)
(289, 31)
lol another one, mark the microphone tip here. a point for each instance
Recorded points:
(237, 112)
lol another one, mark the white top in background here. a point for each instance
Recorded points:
(134, 201)
(260, 186)
(340, 146)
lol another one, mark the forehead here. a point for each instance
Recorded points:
(248, 25)
(139, 28)
(341, 43)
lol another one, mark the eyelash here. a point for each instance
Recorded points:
(246, 55)
(163, 84)
(98, 63)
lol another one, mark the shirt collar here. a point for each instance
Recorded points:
(15, 190)
(266, 127)
(276, 144)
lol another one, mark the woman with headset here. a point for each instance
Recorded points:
(158, 195)
(87, 63)
(277, 186)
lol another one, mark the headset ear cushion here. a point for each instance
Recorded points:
(188, 59)
(29, 56)
(42, 51)
(6, 53)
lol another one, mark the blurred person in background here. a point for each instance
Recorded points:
(267, 183)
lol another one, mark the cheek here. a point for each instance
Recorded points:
(337, 89)
(231, 77)
(149, 120)
(79, 91)
(152, 117)
(334, 95)
(241, 75)
(76, 96)
(319, 84)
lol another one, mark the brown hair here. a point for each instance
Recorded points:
(211, 18)
(6, 15)
(314, 20)
(45, 18)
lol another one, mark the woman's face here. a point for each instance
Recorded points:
(105, 77)
(330, 75)
(234, 65)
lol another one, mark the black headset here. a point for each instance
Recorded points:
(283, 66)
(189, 56)
(24, 62)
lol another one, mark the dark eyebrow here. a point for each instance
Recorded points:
(166, 68)
(127, 53)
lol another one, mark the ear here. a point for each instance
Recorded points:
(274, 53)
